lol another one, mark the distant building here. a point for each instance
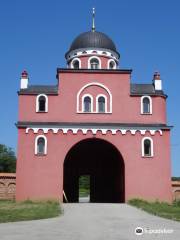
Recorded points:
(93, 122)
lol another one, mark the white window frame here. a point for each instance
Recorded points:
(97, 105)
(152, 147)
(78, 110)
(108, 64)
(46, 103)
(75, 59)
(83, 97)
(89, 62)
(150, 102)
(36, 145)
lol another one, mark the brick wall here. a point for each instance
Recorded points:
(7, 185)
(176, 190)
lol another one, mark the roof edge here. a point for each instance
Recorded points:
(24, 124)
(86, 70)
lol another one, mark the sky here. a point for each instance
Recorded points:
(35, 35)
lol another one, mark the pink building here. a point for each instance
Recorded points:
(94, 122)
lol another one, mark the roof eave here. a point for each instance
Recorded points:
(86, 70)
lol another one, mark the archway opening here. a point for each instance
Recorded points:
(104, 165)
(84, 188)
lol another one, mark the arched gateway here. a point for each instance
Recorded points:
(103, 163)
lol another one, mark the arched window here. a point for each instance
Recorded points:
(147, 147)
(96, 88)
(111, 64)
(94, 63)
(41, 103)
(41, 145)
(101, 104)
(87, 104)
(76, 63)
(146, 105)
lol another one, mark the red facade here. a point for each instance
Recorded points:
(94, 122)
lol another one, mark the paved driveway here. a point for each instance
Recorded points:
(93, 221)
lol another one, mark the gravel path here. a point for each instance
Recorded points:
(91, 221)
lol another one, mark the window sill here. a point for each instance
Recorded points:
(147, 156)
(146, 113)
(94, 112)
(41, 112)
(40, 154)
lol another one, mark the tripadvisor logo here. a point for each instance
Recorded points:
(138, 231)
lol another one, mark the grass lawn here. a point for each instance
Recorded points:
(10, 211)
(83, 192)
(162, 209)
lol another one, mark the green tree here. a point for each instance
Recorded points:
(175, 178)
(7, 159)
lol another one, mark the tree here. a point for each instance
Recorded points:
(7, 159)
(175, 178)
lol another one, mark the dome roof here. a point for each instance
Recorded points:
(93, 39)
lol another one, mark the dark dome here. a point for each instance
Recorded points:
(93, 40)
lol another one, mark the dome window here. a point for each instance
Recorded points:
(111, 64)
(94, 63)
(76, 63)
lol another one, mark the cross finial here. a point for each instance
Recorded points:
(93, 19)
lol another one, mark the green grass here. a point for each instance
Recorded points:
(162, 209)
(83, 192)
(11, 211)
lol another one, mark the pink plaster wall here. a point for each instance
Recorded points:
(42, 177)
(126, 109)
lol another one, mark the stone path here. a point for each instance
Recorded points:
(92, 221)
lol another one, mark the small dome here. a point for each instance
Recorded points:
(93, 39)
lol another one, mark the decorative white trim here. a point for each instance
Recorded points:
(150, 102)
(36, 142)
(94, 84)
(77, 53)
(46, 102)
(93, 129)
(97, 105)
(94, 57)
(75, 59)
(142, 147)
(91, 97)
(108, 64)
